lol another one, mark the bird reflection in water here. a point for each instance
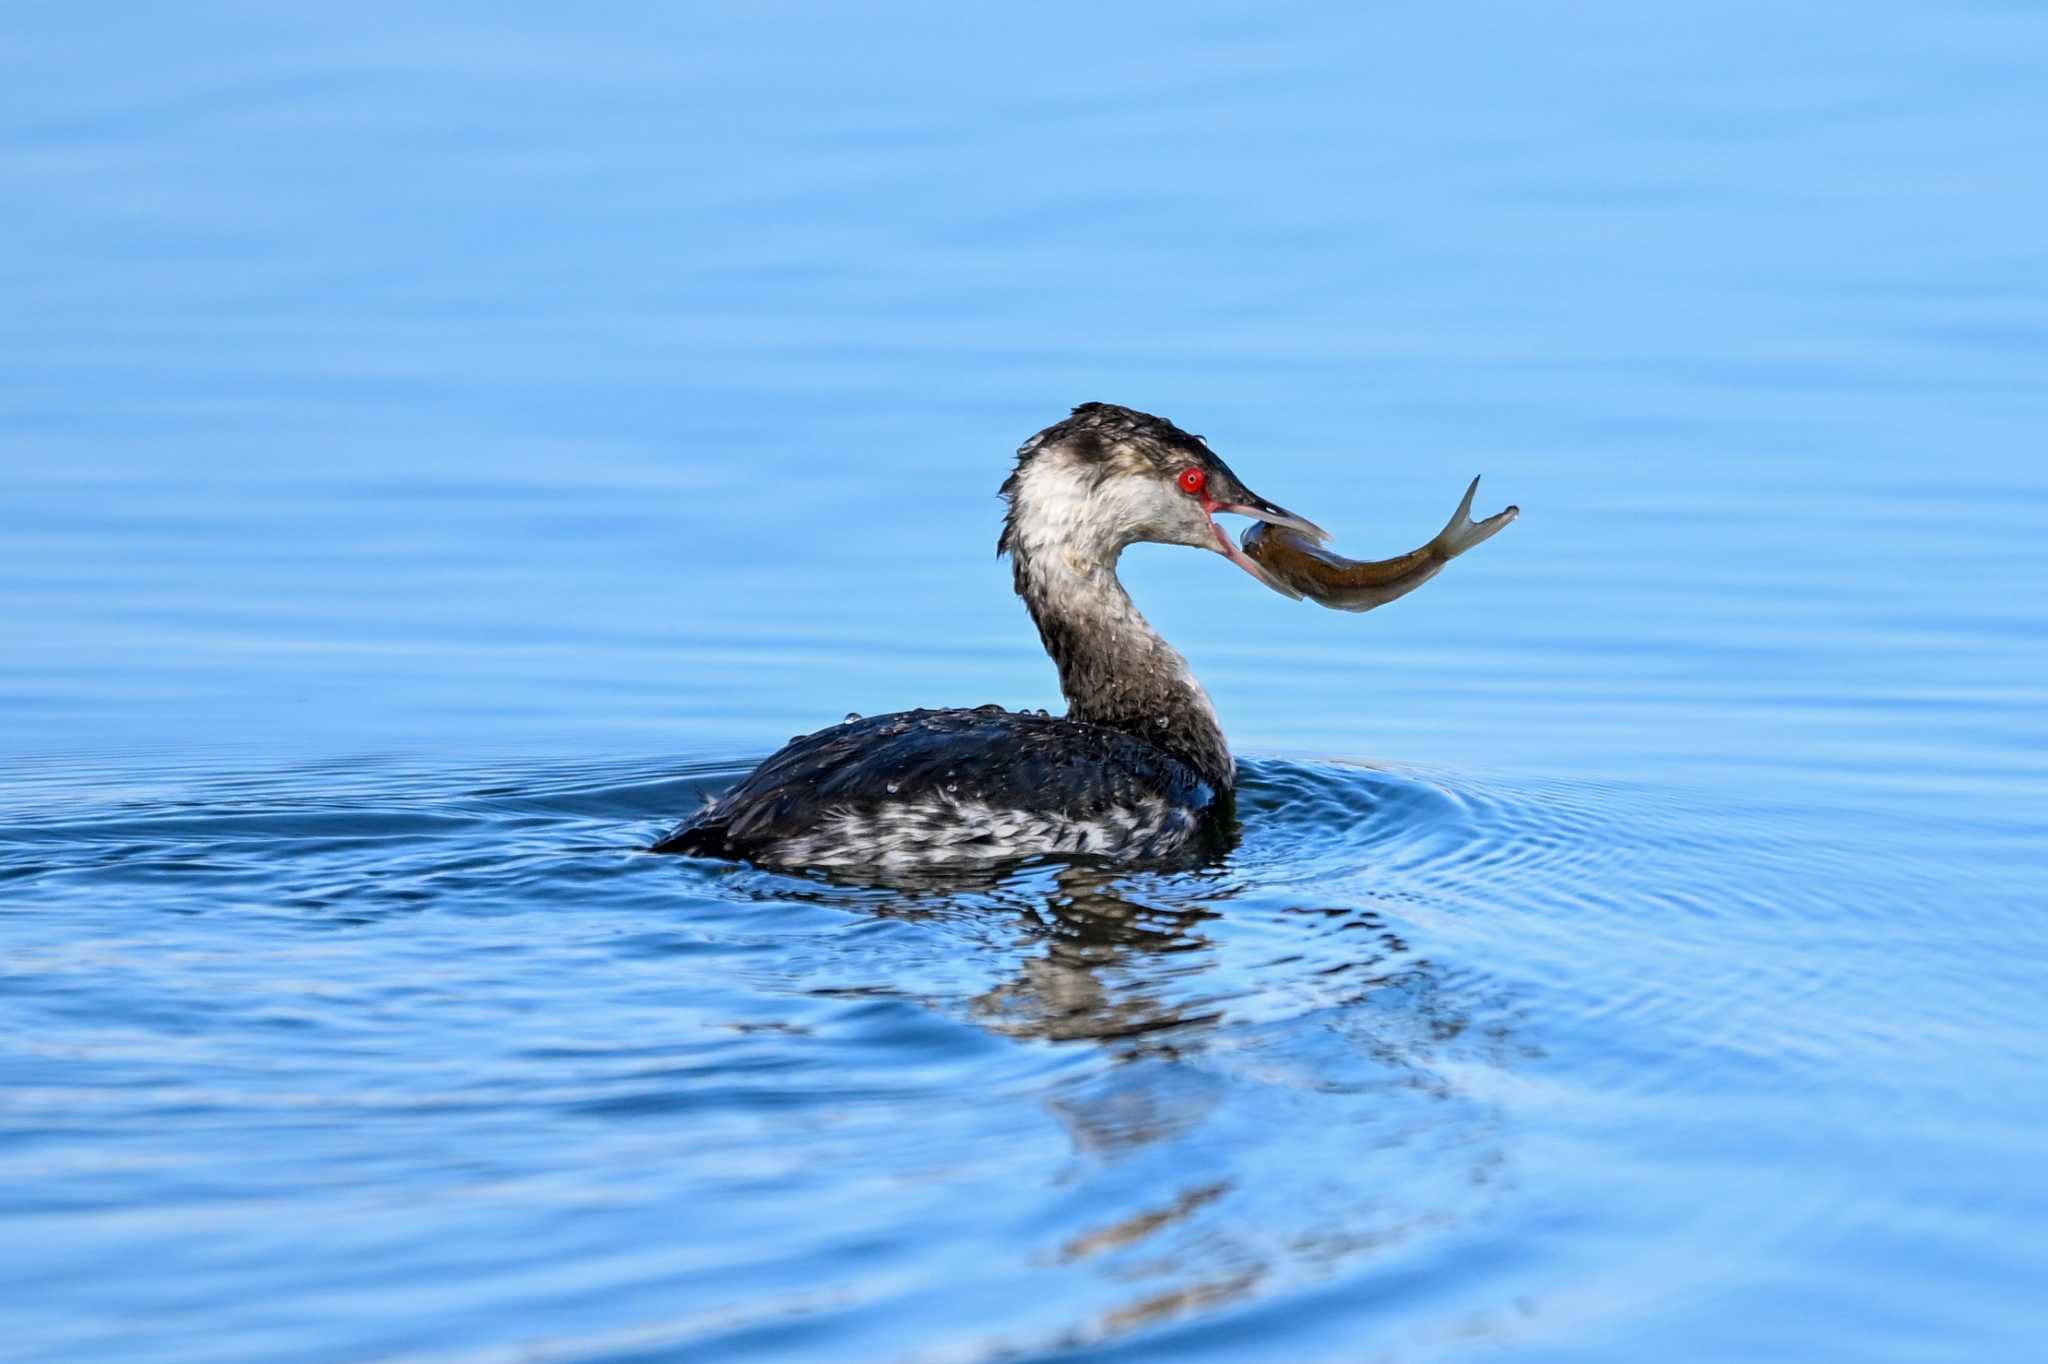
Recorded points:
(1113, 965)
(1281, 1092)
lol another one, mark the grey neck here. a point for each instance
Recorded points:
(1115, 670)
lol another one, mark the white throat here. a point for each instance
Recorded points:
(1066, 535)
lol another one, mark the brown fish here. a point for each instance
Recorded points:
(1359, 584)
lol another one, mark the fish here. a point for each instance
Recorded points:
(1342, 584)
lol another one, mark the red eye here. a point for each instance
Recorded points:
(1193, 480)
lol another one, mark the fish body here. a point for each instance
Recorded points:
(1342, 584)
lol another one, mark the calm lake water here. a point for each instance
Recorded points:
(442, 446)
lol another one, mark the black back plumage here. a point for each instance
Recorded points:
(1010, 760)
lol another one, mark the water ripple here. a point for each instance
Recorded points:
(1327, 1058)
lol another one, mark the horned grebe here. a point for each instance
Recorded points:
(1137, 768)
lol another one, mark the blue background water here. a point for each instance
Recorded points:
(441, 445)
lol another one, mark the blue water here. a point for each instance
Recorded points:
(442, 445)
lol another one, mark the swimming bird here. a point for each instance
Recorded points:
(1138, 767)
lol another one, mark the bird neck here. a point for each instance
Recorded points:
(1115, 670)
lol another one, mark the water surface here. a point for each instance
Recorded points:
(442, 449)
